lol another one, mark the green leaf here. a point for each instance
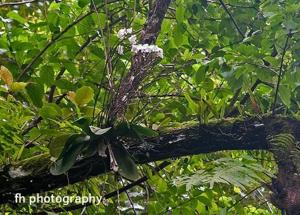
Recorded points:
(83, 3)
(84, 95)
(15, 16)
(143, 131)
(180, 14)
(178, 35)
(47, 75)
(132, 130)
(50, 111)
(64, 84)
(127, 166)
(83, 123)
(57, 144)
(73, 147)
(192, 105)
(285, 95)
(35, 92)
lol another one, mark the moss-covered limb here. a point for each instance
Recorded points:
(240, 134)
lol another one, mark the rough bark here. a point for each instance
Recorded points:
(242, 134)
(141, 62)
(284, 141)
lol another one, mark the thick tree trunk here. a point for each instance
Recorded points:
(284, 139)
(33, 176)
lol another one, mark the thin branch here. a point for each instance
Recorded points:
(53, 87)
(232, 111)
(244, 197)
(131, 202)
(280, 71)
(6, 4)
(232, 18)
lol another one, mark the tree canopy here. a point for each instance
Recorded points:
(155, 107)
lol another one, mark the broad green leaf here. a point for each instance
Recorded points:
(15, 16)
(285, 95)
(83, 123)
(57, 144)
(180, 13)
(143, 131)
(127, 166)
(69, 154)
(16, 86)
(82, 3)
(35, 92)
(84, 95)
(47, 75)
(50, 111)
(132, 130)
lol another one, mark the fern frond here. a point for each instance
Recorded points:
(227, 171)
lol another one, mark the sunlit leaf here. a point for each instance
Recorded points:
(16, 86)
(84, 95)
(6, 75)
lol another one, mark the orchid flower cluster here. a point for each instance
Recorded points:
(135, 48)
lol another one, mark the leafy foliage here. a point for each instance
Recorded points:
(61, 69)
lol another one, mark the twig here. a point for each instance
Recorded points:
(53, 87)
(5, 4)
(232, 18)
(245, 196)
(233, 111)
(129, 199)
(280, 71)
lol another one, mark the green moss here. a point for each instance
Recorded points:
(36, 164)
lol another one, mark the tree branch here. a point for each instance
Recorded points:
(141, 63)
(232, 18)
(243, 134)
(5, 4)
(280, 71)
